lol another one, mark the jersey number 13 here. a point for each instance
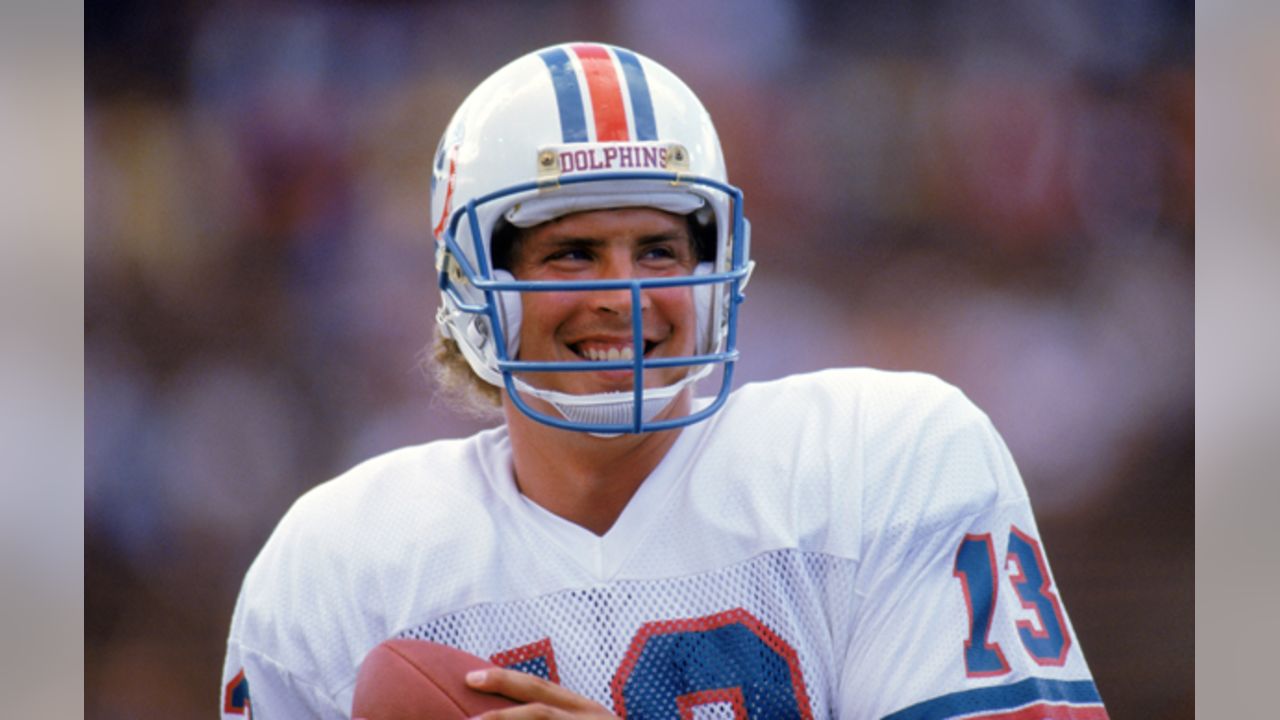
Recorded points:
(1046, 640)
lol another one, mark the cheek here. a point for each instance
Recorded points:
(546, 305)
(678, 307)
(541, 314)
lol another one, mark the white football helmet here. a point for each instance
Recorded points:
(570, 128)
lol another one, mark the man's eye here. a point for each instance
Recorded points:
(569, 254)
(660, 253)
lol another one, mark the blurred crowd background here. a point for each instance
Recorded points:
(1000, 193)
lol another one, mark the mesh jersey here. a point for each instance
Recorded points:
(850, 543)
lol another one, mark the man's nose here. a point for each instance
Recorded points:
(618, 300)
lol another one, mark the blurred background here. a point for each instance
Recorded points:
(999, 193)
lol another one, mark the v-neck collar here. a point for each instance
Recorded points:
(601, 556)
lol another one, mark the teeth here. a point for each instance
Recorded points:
(613, 353)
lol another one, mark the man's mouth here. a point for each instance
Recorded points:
(597, 351)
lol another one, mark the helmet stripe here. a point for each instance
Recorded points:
(638, 89)
(573, 123)
(606, 96)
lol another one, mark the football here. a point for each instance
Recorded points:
(404, 679)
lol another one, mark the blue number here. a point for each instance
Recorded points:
(976, 569)
(731, 657)
(1047, 645)
(1047, 641)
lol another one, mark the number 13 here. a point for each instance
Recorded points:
(976, 569)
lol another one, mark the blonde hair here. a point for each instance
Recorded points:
(458, 382)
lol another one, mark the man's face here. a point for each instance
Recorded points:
(596, 325)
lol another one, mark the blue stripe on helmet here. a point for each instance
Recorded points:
(641, 102)
(573, 123)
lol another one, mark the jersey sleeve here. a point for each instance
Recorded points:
(254, 686)
(957, 611)
(295, 632)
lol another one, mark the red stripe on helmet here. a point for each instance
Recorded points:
(606, 95)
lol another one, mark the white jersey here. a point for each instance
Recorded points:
(847, 544)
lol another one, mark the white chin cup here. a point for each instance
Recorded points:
(611, 408)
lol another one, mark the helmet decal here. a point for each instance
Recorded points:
(614, 115)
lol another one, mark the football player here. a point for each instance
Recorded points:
(849, 543)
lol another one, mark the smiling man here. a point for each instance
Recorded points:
(850, 543)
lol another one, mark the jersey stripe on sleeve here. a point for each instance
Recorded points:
(1033, 698)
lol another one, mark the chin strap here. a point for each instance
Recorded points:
(611, 408)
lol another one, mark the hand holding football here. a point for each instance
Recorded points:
(404, 679)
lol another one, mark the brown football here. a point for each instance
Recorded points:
(404, 679)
